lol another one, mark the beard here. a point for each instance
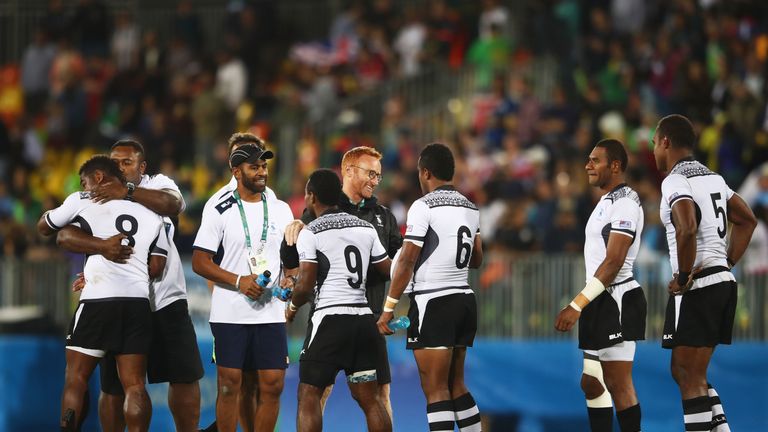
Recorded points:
(253, 186)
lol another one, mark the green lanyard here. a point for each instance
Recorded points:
(236, 194)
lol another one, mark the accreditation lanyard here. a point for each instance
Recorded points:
(263, 243)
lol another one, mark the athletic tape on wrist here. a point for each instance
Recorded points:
(592, 289)
(575, 306)
(237, 282)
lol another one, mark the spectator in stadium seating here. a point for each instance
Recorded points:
(702, 300)
(611, 308)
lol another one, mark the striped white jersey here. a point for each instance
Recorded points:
(171, 286)
(105, 279)
(342, 245)
(222, 234)
(690, 180)
(444, 224)
(618, 212)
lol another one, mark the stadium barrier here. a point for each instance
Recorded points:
(517, 297)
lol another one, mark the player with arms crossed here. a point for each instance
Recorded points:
(696, 209)
(114, 314)
(611, 308)
(174, 356)
(334, 252)
(442, 242)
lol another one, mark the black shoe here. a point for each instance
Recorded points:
(211, 428)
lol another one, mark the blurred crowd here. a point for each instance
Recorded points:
(93, 75)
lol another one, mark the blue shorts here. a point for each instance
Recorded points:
(250, 346)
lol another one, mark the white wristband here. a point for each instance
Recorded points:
(575, 306)
(237, 282)
(389, 304)
(593, 289)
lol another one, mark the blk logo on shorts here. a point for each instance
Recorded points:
(413, 340)
(667, 337)
(614, 336)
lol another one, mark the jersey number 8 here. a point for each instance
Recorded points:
(133, 227)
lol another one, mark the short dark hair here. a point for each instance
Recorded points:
(135, 145)
(679, 130)
(615, 151)
(102, 163)
(438, 159)
(326, 186)
(239, 138)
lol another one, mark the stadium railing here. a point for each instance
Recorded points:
(518, 297)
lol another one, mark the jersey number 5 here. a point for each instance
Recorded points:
(131, 230)
(351, 252)
(719, 211)
(463, 249)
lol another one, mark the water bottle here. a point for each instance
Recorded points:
(283, 294)
(400, 323)
(264, 278)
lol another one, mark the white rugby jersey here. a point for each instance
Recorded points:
(221, 233)
(619, 211)
(690, 180)
(444, 224)
(171, 286)
(103, 278)
(342, 245)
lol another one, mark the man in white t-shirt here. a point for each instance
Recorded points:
(442, 242)
(248, 399)
(114, 315)
(697, 207)
(334, 251)
(245, 228)
(613, 303)
(174, 357)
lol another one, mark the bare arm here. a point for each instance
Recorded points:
(406, 262)
(744, 223)
(165, 202)
(684, 217)
(156, 266)
(76, 240)
(202, 264)
(303, 290)
(383, 266)
(615, 254)
(43, 228)
(477, 253)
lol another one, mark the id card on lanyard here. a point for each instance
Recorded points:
(257, 261)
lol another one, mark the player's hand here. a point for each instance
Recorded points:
(288, 282)
(78, 283)
(292, 232)
(290, 314)
(675, 288)
(566, 319)
(114, 250)
(109, 191)
(384, 319)
(250, 288)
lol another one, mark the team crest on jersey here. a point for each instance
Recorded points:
(85, 195)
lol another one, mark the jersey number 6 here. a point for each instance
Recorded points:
(463, 249)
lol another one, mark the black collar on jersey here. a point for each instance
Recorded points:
(685, 159)
(619, 186)
(345, 202)
(449, 187)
